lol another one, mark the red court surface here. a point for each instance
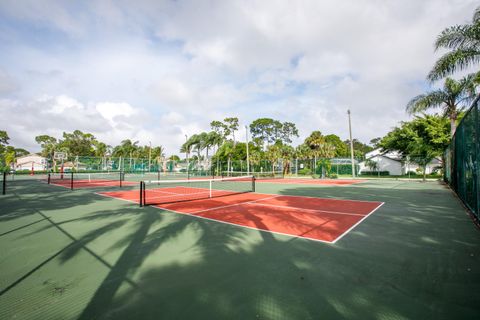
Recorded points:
(91, 183)
(319, 219)
(332, 182)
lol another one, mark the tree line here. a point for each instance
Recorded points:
(78, 144)
(425, 137)
(270, 140)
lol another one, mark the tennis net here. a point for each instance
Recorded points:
(257, 175)
(169, 191)
(74, 180)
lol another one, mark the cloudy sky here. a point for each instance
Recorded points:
(157, 70)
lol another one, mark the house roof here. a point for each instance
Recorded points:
(30, 155)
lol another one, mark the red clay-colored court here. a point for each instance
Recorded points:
(319, 219)
(97, 183)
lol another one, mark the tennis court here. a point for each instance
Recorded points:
(88, 180)
(317, 219)
(379, 249)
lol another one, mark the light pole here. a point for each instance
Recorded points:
(248, 157)
(351, 143)
(149, 155)
(186, 154)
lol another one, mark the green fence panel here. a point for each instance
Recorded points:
(462, 157)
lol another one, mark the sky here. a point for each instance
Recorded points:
(155, 71)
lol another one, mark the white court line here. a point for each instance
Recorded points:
(331, 199)
(58, 185)
(194, 214)
(232, 205)
(356, 224)
(109, 196)
(305, 209)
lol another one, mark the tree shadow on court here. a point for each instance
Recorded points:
(228, 272)
(242, 273)
(226, 279)
(27, 197)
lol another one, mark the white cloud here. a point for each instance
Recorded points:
(110, 122)
(7, 83)
(157, 70)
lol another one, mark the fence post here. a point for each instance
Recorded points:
(4, 187)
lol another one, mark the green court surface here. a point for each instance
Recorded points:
(77, 255)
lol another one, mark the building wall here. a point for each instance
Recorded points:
(394, 167)
(25, 163)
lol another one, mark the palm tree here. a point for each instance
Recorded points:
(255, 158)
(451, 98)
(303, 152)
(286, 153)
(272, 154)
(464, 43)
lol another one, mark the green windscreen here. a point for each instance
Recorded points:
(462, 160)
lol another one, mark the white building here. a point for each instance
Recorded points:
(32, 160)
(394, 163)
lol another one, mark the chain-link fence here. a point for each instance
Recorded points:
(462, 157)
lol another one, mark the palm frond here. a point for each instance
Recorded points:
(476, 16)
(451, 37)
(424, 102)
(454, 61)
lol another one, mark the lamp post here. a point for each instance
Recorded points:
(149, 155)
(351, 143)
(248, 158)
(186, 154)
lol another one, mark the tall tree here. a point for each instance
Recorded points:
(268, 131)
(232, 125)
(287, 132)
(375, 141)
(452, 98)
(3, 138)
(422, 139)
(359, 148)
(463, 43)
(340, 147)
(48, 144)
(78, 143)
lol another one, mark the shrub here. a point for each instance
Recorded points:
(375, 173)
(305, 171)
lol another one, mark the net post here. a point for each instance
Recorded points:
(4, 183)
(121, 178)
(71, 180)
(144, 194)
(253, 183)
(142, 186)
(210, 188)
(48, 178)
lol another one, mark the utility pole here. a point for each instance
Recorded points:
(248, 157)
(149, 154)
(351, 143)
(186, 154)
